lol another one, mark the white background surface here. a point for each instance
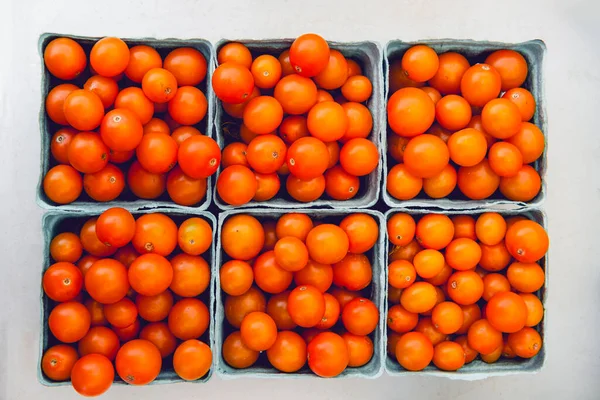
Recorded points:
(571, 32)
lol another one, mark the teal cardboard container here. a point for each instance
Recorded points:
(55, 222)
(478, 369)
(369, 56)
(534, 52)
(48, 127)
(262, 368)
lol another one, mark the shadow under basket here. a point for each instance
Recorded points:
(479, 369)
(369, 56)
(54, 223)
(262, 368)
(47, 127)
(534, 52)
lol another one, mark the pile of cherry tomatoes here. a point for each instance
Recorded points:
(117, 302)
(468, 128)
(300, 116)
(127, 121)
(298, 290)
(464, 287)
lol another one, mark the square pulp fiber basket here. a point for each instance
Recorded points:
(534, 52)
(48, 127)
(55, 222)
(369, 56)
(478, 369)
(262, 369)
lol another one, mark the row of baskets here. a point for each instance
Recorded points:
(57, 222)
(375, 62)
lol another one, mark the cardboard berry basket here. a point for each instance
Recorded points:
(47, 127)
(262, 368)
(55, 222)
(369, 56)
(534, 52)
(478, 369)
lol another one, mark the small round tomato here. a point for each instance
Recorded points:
(360, 316)
(141, 60)
(327, 121)
(92, 375)
(234, 154)
(530, 142)
(426, 156)
(159, 85)
(188, 319)
(236, 277)
(237, 307)
(420, 63)
(69, 322)
(328, 354)
(507, 312)
(465, 287)
(157, 125)
(357, 88)
(58, 362)
(309, 54)
(67, 247)
(480, 84)
(188, 106)
(107, 89)
(462, 254)
(138, 362)
(115, 227)
(339, 184)
(269, 276)
(305, 190)
(237, 185)
(525, 277)
(527, 241)
(359, 157)
(90, 241)
(199, 156)
(59, 146)
(154, 308)
(109, 56)
(419, 297)
(134, 100)
(195, 236)
(400, 320)
(263, 114)
(235, 53)
(121, 130)
(511, 66)
(306, 306)
(242, 237)
(55, 102)
(524, 101)
(479, 181)
(64, 58)
(184, 190)
(291, 254)
(232, 83)
(266, 71)
(288, 353)
(307, 158)
(87, 153)
(410, 112)
(192, 360)
(258, 331)
(449, 356)
(144, 184)
(155, 233)
(150, 274)
(335, 73)
(83, 110)
(157, 152)
(268, 186)
(62, 281)
(362, 231)
(99, 340)
(159, 335)
(360, 121)
(266, 154)
(452, 67)
(523, 186)
(483, 337)
(188, 65)
(525, 343)
(401, 274)
(236, 353)
(327, 243)
(353, 272)
(414, 351)
(501, 118)
(106, 281)
(121, 314)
